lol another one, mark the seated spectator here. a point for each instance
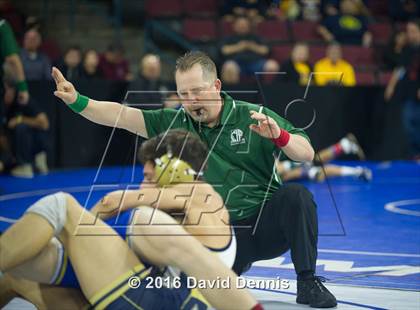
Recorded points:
(246, 49)
(113, 64)
(27, 129)
(346, 27)
(331, 7)
(253, 9)
(36, 64)
(333, 69)
(393, 52)
(289, 9)
(148, 86)
(296, 9)
(90, 65)
(296, 69)
(311, 10)
(230, 74)
(407, 76)
(70, 65)
(403, 10)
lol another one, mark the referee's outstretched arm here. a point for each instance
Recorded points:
(105, 113)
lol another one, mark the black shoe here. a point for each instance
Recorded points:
(312, 292)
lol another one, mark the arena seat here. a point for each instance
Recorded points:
(316, 52)
(199, 29)
(226, 28)
(273, 30)
(381, 32)
(200, 8)
(359, 56)
(281, 52)
(378, 7)
(384, 77)
(163, 8)
(365, 78)
(51, 48)
(305, 31)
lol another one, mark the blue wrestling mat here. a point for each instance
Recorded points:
(369, 232)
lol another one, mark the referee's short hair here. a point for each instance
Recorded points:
(187, 61)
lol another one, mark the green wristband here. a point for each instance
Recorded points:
(80, 104)
(22, 86)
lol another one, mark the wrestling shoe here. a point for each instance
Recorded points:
(366, 175)
(23, 171)
(355, 147)
(312, 292)
(41, 162)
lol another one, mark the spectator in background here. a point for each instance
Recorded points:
(252, 9)
(403, 10)
(231, 73)
(296, 9)
(407, 75)
(332, 7)
(311, 10)
(247, 50)
(333, 69)
(27, 128)
(393, 52)
(296, 69)
(148, 80)
(349, 26)
(36, 64)
(70, 65)
(113, 64)
(90, 65)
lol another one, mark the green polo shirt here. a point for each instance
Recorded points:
(241, 162)
(8, 45)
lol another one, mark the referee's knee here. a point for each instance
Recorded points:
(298, 195)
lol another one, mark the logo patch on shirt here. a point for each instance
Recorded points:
(237, 137)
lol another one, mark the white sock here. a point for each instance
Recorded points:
(313, 172)
(355, 171)
(346, 144)
(287, 165)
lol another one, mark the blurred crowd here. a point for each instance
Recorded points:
(240, 53)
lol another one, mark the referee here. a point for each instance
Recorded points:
(244, 141)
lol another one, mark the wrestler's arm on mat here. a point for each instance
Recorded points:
(105, 113)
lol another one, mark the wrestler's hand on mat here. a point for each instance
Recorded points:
(65, 90)
(267, 127)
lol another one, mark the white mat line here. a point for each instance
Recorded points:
(368, 253)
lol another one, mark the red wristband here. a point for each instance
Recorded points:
(283, 139)
(257, 307)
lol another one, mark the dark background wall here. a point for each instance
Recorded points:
(76, 141)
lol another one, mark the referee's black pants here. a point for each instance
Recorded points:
(287, 221)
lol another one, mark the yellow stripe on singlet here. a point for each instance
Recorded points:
(64, 264)
(139, 271)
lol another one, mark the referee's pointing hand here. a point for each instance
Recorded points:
(267, 127)
(65, 90)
